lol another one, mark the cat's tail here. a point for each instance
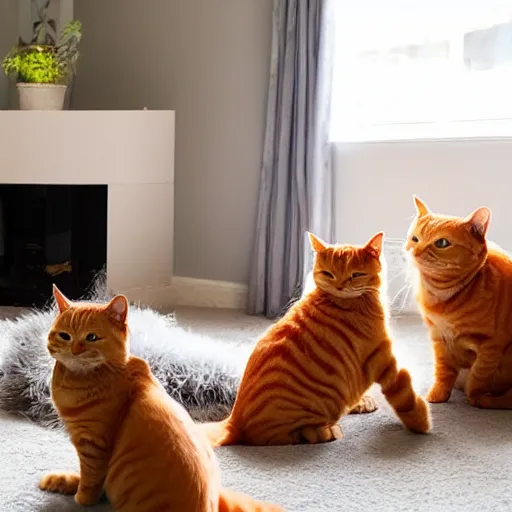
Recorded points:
(221, 433)
(412, 409)
(232, 501)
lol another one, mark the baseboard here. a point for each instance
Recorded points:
(188, 291)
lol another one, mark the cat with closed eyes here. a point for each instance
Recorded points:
(316, 363)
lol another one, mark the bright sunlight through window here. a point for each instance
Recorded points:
(415, 69)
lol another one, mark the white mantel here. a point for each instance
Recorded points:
(130, 151)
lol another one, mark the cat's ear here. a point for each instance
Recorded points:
(62, 301)
(117, 309)
(421, 207)
(479, 221)
(374, 245)
(317, 244)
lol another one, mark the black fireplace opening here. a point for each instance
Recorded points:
(50, 234)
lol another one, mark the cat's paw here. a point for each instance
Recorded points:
(482, 401)
(365, 405)
(63, 483)
(490, 401)
(87, 496)
(438, 395)
(325, 434)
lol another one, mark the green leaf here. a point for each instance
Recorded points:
(34, 64)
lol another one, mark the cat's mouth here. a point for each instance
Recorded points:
(430, 269)
(349, 294)
(429, 263)
(80, 363)
(424, 261)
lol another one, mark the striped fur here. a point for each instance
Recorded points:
(134, 441)
(315, 364)
(464, 291)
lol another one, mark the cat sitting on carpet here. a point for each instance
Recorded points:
(464, 291)
(315, 364)
(198, 371)
(133, 441)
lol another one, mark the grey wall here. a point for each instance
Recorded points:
(208, 60)
(8, 38)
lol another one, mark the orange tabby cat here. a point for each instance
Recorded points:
(465, 295)
(315, 364)
(133, 440)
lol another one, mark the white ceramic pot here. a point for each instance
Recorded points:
(41, 96)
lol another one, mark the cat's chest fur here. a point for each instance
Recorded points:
(71, 392)
(460, 348)
(446, 328)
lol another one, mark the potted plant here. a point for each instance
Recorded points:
(43, 67)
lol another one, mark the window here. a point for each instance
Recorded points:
(407, 69)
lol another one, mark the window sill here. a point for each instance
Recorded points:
(411, 132)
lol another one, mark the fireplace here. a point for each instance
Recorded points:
(50, 234)
(124, 157)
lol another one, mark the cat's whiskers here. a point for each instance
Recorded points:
(348, 294)
(354, 293)
(397, 275)
(80, 364)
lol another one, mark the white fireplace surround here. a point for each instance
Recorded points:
(130, 151)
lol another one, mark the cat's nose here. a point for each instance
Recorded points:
(77, 348)
(418, 249)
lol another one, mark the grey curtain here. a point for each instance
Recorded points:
(296, 185)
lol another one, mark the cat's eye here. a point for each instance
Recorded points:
(64, 336)
(442, 243)
(92, 337)
(327, 274)
(414, 238)
(355, 275)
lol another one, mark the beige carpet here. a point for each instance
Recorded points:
(464, 465)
